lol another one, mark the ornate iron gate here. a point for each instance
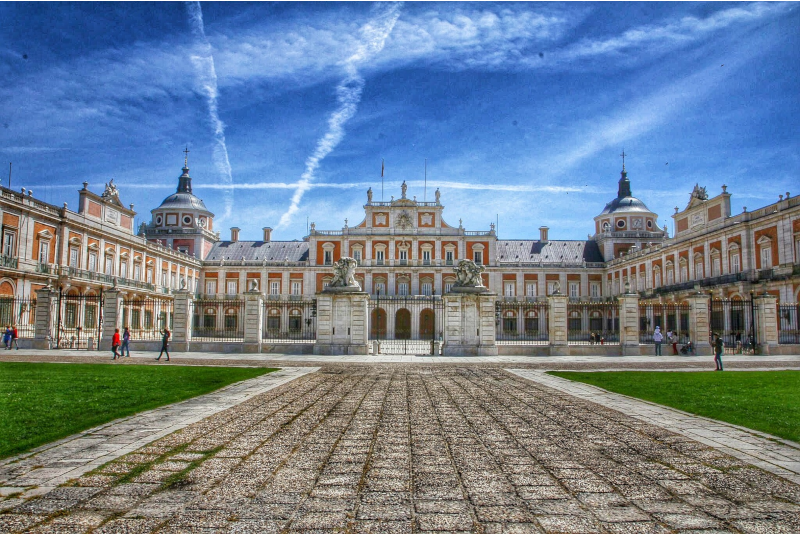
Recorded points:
(735, 322)
(406, 324)
(77, 318)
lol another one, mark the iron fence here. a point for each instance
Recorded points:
(146, 318)
(19, 313)
(78, 318)
(735, 322)
(218, 320)
(593, 323)
(521, 323)
(671, 317)
(406, 324)
(289, 321)
(788, 324)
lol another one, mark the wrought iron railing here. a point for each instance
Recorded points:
(289, 321)
(593, 323)
(789, 324)
(521, 322)
(671, 317)
(217, 320)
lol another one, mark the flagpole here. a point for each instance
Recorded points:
(381, 179)
(425, 194)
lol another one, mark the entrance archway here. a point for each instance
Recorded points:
(402, 324)
(426, 324)
(378, 324)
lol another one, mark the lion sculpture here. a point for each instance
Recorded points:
(468, 274)
(344, 274)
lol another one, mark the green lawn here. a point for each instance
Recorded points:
(43, 402)
(768, 401)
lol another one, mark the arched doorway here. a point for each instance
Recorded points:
(402, 324)
(378, 324)
(426, 324)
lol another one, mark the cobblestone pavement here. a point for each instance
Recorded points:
(418, 449)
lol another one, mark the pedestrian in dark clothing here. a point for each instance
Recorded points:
(164, 344)
(115, 344)
(7, 337)
(718, 348)
(657, 339)
(126, 339)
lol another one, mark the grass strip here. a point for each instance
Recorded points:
(768, 401)
(44, 402)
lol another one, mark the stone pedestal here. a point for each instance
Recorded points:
(253, 321)
(766, 316)
(112, 316)
(182, 321)
(342, 323)
(46, 300)
(469, 324)
(557, 327)
(629, 324)
(699, 324)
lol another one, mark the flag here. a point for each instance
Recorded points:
(381, 168)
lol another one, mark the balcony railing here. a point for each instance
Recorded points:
(82, 274)
(8, 262)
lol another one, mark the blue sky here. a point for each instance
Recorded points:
(521, 109)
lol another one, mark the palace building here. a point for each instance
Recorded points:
(403, 247)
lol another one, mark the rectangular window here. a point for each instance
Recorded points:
(684, 273)
(8, 243)
(211, 287)
(73, 257)
(448, 257)
(402, 288)
(735, 267)
(164, 278)
(427, 288)
(551, 287)
(715, 267)
(698, 270)
(123, 269)
(137, 272)
(297, 287)
(92, 262)
(509, 289)
(379, 257)
(172, 281)
(574, 290)
(403, 257)
(149, 276)
(232, 287)
(478, 256)
(44, 251)
(448, 286)
(766, 257)
(328, 257)
(357, 255)
(380, 288)
(530, 289)
(426, 257)
(594, 288)
(657, 279)
(669, 277)
(274, 287)
(90, 317)
(110, 265)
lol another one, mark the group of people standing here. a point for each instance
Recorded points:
(717, 344)
(10, 337)
(122, 344)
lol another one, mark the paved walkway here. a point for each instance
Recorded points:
(51, 465)
(398, 448)
(772, 454)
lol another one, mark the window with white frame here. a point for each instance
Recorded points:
(402, 288)
(297, 287)
(231, 287)
(357, 254)
(427, 287)
(657, 277)
(380, 287)
(426, 256)
(328, 255)
(92, 261)
(403, 256)
(551, 288)
(765, 245)
(449, 254)
(164, 278)
(211, 287)
(173, 281)
(149, 275)
(641, 284)
(477, 256)
(797, 250)
(123, 269)
(9, 238)
(698, 267)
(684, 270)
(716, 264)
(509, 289)
(670, 274)
(109, 265)
(44, 251)
(530, 289)
(594, 289)
(448, 285)
(73, 257)
(137, 271)
(574, 289)
(736, 265)
(274, 287)
(380, 256)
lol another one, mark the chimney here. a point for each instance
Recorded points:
(543, 234)
(267, 234)
(234, 234)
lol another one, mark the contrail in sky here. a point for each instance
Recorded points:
(207, 79)
(348, 94)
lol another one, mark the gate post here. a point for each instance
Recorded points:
(699, 323)
(342, 322)
(46, 301)
(253, 320)
(112, 304)
(557, 328)
(469, 322)
(766, 317)
(182, 321)
(629, 323)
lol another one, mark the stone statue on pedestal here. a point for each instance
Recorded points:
(344, 276)
(468, 277)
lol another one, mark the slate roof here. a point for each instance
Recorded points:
(259, 251)
(520, 250)
(625, 205)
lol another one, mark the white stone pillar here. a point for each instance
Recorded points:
(629, 324)
(766, 316)
(112, 316)
(46, 300)
(253, 320)
(557, 329)
(342, 323)
(182, 321)
(699, 323)
(469, 324)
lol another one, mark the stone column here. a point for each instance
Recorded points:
(342, 323)
(557, 330)
(629, 324)
(699, 323)
(46, 300)
(112, 316)
(253, 320)
(469, 323)
(766, 317)
(182, 321)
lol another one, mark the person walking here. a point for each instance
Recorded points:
(718, 348)
(126, 339)
(657, 339)
(115, 344)
(674, 342)
(14, 336)
(7, 337)
(164, 344)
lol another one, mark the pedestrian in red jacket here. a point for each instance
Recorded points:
(115, 343)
